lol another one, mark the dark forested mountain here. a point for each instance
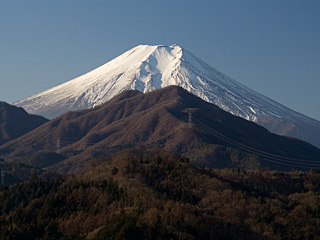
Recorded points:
(151, 195)
(171, 119)
(15, 121)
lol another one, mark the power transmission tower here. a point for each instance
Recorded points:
(58, 145)
(190, 111)
(190, 119)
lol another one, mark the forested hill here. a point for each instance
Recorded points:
(152, 195)
(170, 118)
(15, 121)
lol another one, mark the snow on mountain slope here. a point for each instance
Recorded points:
(146, 68)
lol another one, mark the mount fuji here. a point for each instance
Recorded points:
(146, 68)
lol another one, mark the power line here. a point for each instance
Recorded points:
(266, 156)
(226, 139)
(232, 141)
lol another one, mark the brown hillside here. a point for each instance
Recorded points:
(158, 119)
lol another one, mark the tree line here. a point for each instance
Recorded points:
(156, 195)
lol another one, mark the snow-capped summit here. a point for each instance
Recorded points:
(146, 68)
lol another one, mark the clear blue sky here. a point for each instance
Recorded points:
(272, 46)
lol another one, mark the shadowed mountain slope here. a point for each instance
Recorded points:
(14, 122)
(171, 119)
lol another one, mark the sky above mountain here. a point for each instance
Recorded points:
(270, 46)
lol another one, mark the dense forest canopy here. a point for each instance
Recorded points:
(150, 195)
